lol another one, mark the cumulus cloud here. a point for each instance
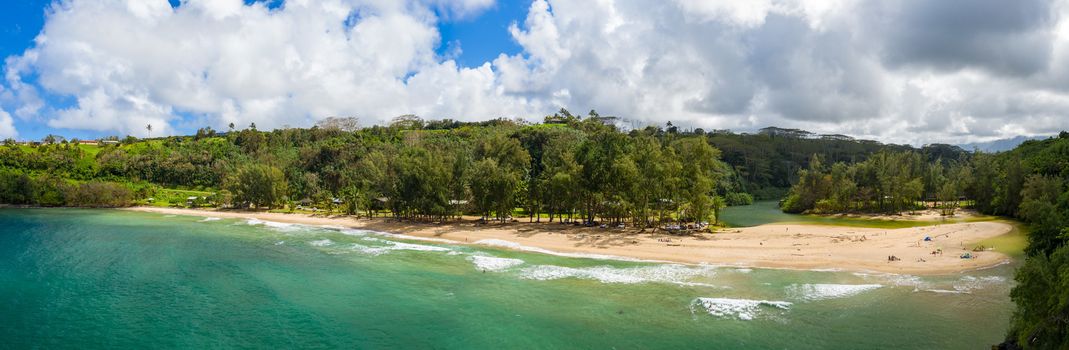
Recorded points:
(900, 71)
(133, 63)
(7, 126)
(955, 34)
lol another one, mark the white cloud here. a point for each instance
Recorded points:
(133, 63)
(7, 126)
(837, 66)
(743, 13)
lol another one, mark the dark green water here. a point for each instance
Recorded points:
(108, 279)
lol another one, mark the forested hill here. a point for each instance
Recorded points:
(768, 161)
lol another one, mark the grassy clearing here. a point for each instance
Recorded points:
(90, 150)
(175, 197)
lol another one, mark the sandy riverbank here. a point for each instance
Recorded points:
(771, 246)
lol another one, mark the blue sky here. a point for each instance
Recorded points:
(909, 71)
(20, 21)
(486, 36)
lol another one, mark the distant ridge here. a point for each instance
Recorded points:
(999, 145)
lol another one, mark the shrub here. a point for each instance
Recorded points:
(738, 198)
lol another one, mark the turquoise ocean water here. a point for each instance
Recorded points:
(92, 279)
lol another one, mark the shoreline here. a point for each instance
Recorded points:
(774, 246)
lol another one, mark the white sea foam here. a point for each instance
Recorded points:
(968, 284)
(667, 273)
(513, 245)
(334, 227)
(352, 232)
(360, 232)
(282, 226)
(965, 284)
(945, 291)
(373, 251)
(392, 246)
(742, 309)
(699, 284)
(207, 219)
(493, 263)
(321, 243)
(895, 280)
(280, 242)
(419, 247)
(416, 238)
(828, 291)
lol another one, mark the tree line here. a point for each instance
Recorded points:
(887, 182)
(570, 168)
(50, 191)
(580, 170)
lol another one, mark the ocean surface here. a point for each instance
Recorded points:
(92, 279)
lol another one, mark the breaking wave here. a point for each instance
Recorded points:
(321, 243)
(500, 243)
(963, 285)
(282, 226)
(814, 292)
(418, 247)
(968, 284)
(493, 263)
(667, 273)
(392, 246)
(741, 309)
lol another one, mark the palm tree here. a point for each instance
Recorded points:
(148, 127)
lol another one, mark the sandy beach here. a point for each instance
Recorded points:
(788, 246)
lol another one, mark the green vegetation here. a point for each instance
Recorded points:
(888, 182)
(766, 164)
(1029, 182)
(570, 168)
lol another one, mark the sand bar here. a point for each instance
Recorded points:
(788, 246)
